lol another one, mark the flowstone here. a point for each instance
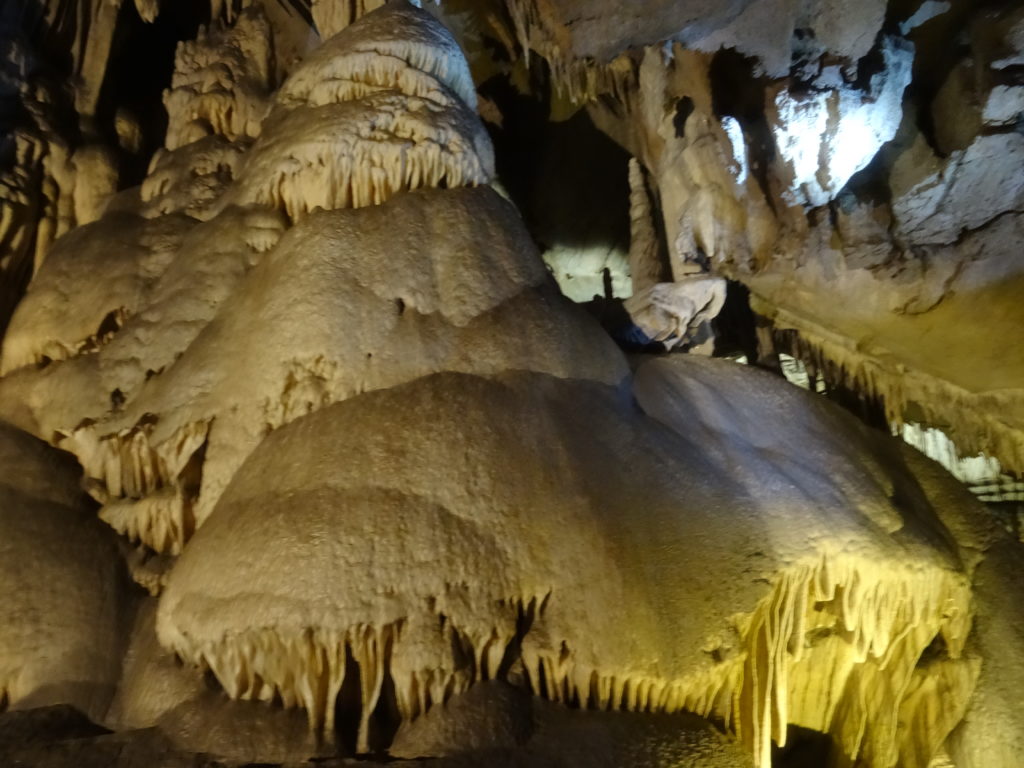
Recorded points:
(163, 379)
(393, 553)
(393, 497)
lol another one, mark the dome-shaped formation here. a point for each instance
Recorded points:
(92, 281)
(419, 535)
(398, 48)
(316, 371)
(884, 698)
(358, 153)
(157, 327)
(348, 301)
(386, 105)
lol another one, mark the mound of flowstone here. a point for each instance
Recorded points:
(437, 533)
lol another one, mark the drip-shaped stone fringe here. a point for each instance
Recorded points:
(885, 615)
(308, 668)
(55, 350)
(973, 420)
(391, 152)
(577, 79)
(354, 76)
(395, 35)
(146, 490)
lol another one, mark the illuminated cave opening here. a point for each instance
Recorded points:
(569, 180)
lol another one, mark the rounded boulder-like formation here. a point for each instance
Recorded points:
(412, 541)
(61, 584)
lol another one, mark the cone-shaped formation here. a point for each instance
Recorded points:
(221, 82)
(60, 584)
(420, 531)
(477, 497)
(157, 416)
(398, 48)
(359, 153)
(430, 281)
(385, 106)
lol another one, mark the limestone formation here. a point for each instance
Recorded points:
(151, 683)
(386, 494)
(826, 136)
(60, 581)
(171, 402)
(678, 313)
(790, 572)
(938, 201)
(855, 200)
(221, 82)
(382, 317)
(122, 256)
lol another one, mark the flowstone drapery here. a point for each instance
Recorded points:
(810, 607)
(368, 464)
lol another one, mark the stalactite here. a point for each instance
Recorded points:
(972, 421)
(145, 488)
(577, 79)
(883, 615)
(645, 263)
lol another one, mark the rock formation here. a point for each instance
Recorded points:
(354, 478)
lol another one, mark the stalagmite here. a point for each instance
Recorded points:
(398, 47)
(811, 595)
(187, 402)
(878, 699)
(385, 316)
(384, 491)
(221, 82)
(370, 114)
